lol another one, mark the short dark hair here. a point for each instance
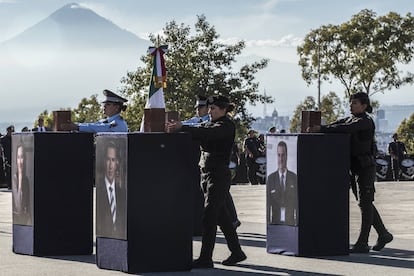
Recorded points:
(221, 101)
(364, 99)
(283, 145)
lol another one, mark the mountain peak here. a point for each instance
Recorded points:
(73, 6)
(76, 26)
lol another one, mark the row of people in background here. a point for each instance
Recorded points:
(6, 151)
(39, 128)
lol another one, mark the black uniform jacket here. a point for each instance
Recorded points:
(362, 130)
(216, 141)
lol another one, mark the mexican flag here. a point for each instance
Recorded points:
(158, 79)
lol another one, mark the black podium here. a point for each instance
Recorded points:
(307, 194)
(52, 178)
(153, 180)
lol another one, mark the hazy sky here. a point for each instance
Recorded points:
(271, 29)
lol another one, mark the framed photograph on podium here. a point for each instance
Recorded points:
(22, 180)
(111, 188)
(281, 190)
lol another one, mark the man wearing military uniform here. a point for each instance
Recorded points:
(361, 128)
(112, 107)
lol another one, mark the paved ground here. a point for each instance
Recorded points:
(394, 200)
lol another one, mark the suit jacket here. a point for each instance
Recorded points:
(22, 214)
(279, 198)
(104, 224)
(37, 129)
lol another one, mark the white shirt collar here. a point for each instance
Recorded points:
(282, 173)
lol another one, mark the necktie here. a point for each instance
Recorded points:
(283, 182)
(112, 203)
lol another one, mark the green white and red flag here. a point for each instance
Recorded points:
(158, 79)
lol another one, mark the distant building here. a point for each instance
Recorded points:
(387, 121)
(394, 115)
(383, 139)
(381, 122)
(263, 124)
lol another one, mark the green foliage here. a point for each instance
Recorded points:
(196, 64)
(331, 110)
(295, 123)
(88, 110)
(47, 119)
(363, 53)
(406, 133)
(135, 111)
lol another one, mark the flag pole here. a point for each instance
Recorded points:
(154, 112)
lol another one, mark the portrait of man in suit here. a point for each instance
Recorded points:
(282, 191)
(21, 187)
(110, 194)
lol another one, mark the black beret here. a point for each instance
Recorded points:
(218, 100)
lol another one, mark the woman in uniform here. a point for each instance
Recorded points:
(113, 105)
(363, 169)
(216, 137)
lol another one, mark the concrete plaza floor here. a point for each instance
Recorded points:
(394, 200)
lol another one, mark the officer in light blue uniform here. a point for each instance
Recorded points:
(201, 112)
(112, 107)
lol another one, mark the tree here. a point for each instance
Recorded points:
(363, 53)
(88, 110)
(47, 119)
(331, 110)
(406, 133)
(295, 123)
(196, 64)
